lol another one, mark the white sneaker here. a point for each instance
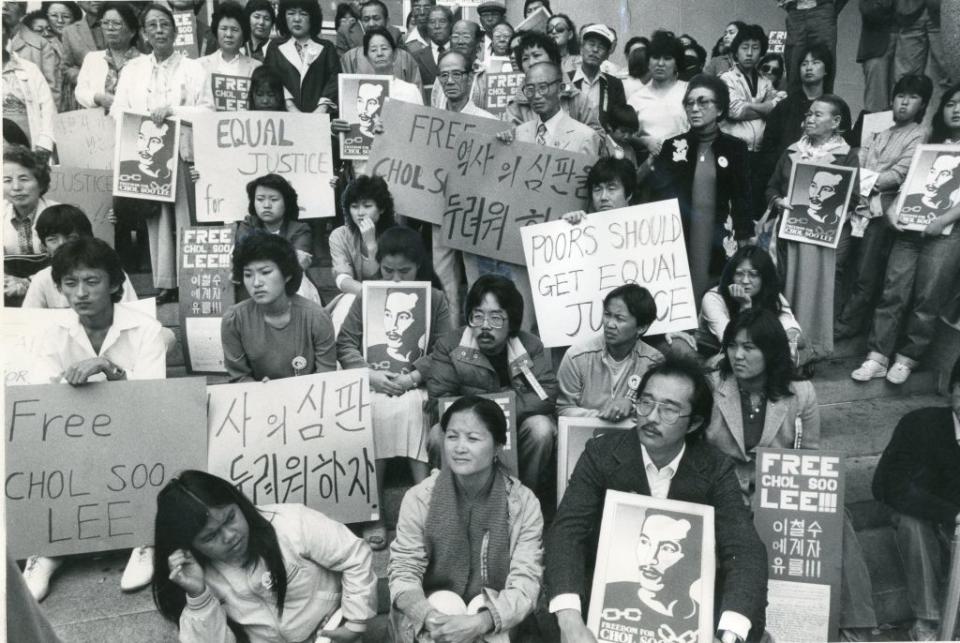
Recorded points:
(898, 373)
(869, 370)
(139, 570)
(37, 575)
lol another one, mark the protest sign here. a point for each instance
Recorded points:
(145, 158)
(230, 93)
(495, 189)
(501, 87)
(572, 436)
(873, 123)
(85, 464)
(572, 267)
(89, 190)
(641, 593)
(507, 400)
(232, 149)
(302, 439)
(396, 323)
(417, 150)
(85, 138)
(778, 42)
(186, 40)
(206, 291)
(536, 21)
(932, 187)
(798, 513)
(819, 196)
(361, 101)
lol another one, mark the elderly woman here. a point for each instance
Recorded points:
(60, 15)
(467, 559)
(260, 16)
(276, 333)
(380, 55)
(232, 30)
(97, 81)
(659, 103)
(26, 178)
(27, 100)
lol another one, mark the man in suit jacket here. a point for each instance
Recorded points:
(599, 91)
(919, 477)
(80, 38)
(440, 26)
(664, 457)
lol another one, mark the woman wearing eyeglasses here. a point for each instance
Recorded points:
(561, 28)
(97, 81)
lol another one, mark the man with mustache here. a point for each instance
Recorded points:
(663, 457)
(154, 151)
(826, 199)
(404, 331)
(940, 189)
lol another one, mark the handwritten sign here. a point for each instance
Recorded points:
(301, 439)
(186, 40)
(85, 138)
(798, 513)
(573, 433)
(230, 93)
(89, 190)
(232, 149)
(508, 403)
(206, 291)
(85, 464)
(501, 87)
(415, 154)
(571, 269)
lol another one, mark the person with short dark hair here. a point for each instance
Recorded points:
(260, 16)
(96, 81)
(638, 65)
(490, 14)
(536, 47)
(529, 6)
(560, 27)
(380, 54)
(663, 457)
(772, 67)
(266, 91)
(417, 36)
(367, 212)
(659, 103)
(807, 23)
(721, 60)
(439, 25)
(694, 59)
(231, 28)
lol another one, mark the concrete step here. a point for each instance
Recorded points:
(833, 383)
(864, 428)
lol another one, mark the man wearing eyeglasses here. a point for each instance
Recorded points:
(664, 457)
(465, 39)
(417, 39)
(491, 354)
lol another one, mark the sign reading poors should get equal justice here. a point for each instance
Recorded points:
(572, 268)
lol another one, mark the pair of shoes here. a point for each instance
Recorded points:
(376, 536)
(924, 630)
(139, 570)
(37, 574)
(168, 296)
(856, 634)
(869, 370)
(898, 373)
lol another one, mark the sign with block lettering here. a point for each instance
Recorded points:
(416, 152)
(89, 190)
(501, 87)
(572, 268)
(230, 93)
(186, 41)
(85, 464)
(206, 291)
(85, 138)
(233, 148)
(798, 512)
(302, 439)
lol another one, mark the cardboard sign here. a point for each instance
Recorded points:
(85, 464)
(500, 88)
(206, 291)
(932, 187)
(232, 149)
(186, 40)
(819, 195)
(85, 138)
(572, 268)
(496, 189)
(627, 605)
(536, 21)
(572, 436)
(230, 93)
(509, 457)
(302, 439)
(798, 513)
(145, 158)
(396, 323)
(416, 152)
(361, 102)
(89, 190)
(873, 123)
(778, 42)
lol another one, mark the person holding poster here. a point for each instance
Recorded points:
(532, 6)
(103, 342)
(664, 457)
(232, 30)
(598, 375)
(229, 570)
(470, 535)
(276, 333)
(100, 71)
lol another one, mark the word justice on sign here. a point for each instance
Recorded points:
(780, 488)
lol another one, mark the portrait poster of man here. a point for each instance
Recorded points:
(818, 196)
(361, 101)
(573, 433)
(654, 576)
(396, 323)
(145, 158)
(932, 186)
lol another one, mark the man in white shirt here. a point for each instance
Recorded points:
(417, 38)
(465, 38)
(440, 28)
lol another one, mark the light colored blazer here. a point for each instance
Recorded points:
(568, 135)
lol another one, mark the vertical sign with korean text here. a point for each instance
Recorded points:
(501, 87)
(206, 291)
(302, 439)
(798, 512)
(230, 93)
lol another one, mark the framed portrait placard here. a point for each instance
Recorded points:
(932, 186)
(573, 433)
(145, 158)
(819, 195)
(396, 323)
(654, 577)
(362, 97)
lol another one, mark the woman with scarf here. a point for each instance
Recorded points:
(469, 535)
(97, 81)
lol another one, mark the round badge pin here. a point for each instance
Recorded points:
(722, 161)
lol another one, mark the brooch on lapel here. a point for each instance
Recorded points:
(267, 580)
(680, 148)
(722, 161)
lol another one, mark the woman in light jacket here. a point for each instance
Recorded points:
(469, 535)
(100, 72)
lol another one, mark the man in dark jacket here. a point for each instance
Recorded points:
(919, 477)
(599, 91)
(875, 52)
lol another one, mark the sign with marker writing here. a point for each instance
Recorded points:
(232, 149)
(495, 189)
(85, 138)
(501, 87)
(230, 93)
(186, 40)
(85, 464)
(798, 513)
(572, 268)
(508, 403)
(89, 190)
(417, 150)
(302, 439)
(206, 291)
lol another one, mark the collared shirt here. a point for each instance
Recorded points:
(551, 124)
(435, 48)
(12, 231)
(590, 95)
(470, 109)
(659, 479)
(414, 36)
(241, 65)
(478, 88)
